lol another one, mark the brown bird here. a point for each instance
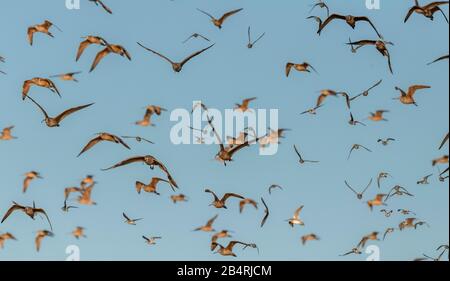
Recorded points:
(317, 19)
(378, 201)
(244, 107)
(178, 198)
(408, 223)
(312, 111)
(444, 141)
(357, 147)
(70, 190)
(89, 40)
(88, 180)
(103, 137)
(114, 49)
(4, 237)
(354, 251)
(79, 232)
(440, 160)
(246, 201)
(67, 76)
(29, 177)
(372, 236)
(390, 230)
(445, 57)
(408, 97)
(350, 20)
(397, 191)
(359, 195)
(29, 211)
(266, 212)
(220, 203)
(251, 43)
(379, 45)
(106, 8)
(367, 92)
(300, 67)
(196, 35)
(149, 112)
(85, 197)
(217, 236)
(42, 28)
(321, 4)
(208, 226)
(151, 240)
(177, 66)
(40, 82)
(151, 187)
(147, 160)
(228, 250)
(41, 235)
(428, 10)
(5, 134)
(219, 22)
(54, 121)
(378, 115)
(301, 160)
(324, 94)
(309, 237)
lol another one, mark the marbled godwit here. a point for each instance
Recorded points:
(89, 40)
(151, 240)
(244, 107)
(79, 232)
(408, 223)
(397, 191)
(88, 180)
(151, 187)
(29, 177)
(359, 195)
(178, 198)
(99, 2)
(208, 226)
(427, 10)
(378, 115)
(220, 203)
(300, 67)
(228, 250)
(350, 20)
(378, 201)
(5, 134)
(440, 160)
(177, 66)
(85, 197)
(219, 22)
(309, 237)
(4, 237)
(40, 82)
(251, 43)
(29, 211)
(379, 45)
(114, 49)
(103, 137)
(41, 235)
(196, 35)
(149, 112)
(370, 237)
(245, 202)
(70, 76)
(408, 97)
(324, 94)
(406, 212)
(42, 28)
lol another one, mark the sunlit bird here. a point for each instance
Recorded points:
(208, 227)
(40, 28)
(29, 177)
(110, 49)
(220, 202)
(300, 67)
(40, 236)
(219, 22)
(5, 134)
(130, 221)
(102, 137)
(295, 220)
(89, 40)
(70, 76)
(151, 187)
(350, 20)
(39, 82)
(29, 211)
(408, 97)
(428, 10)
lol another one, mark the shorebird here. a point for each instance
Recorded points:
(424, 180)
(445, 249)
(70, 190)
(40, 82)
(244, 107)
(300, 67)
(66, 208)
(41, 235)
(151, 187)
(440, 160)
(29, 177)
(427, 10)
(378, 115)
(357, 147)
(321, 4)
(444, 141)
(196, 35)
(42, 28)
(359, 195)
(149, 112)
(251, 43)
(301, 160)
(324, 94)
(5, 134)
(217, 236)
(4, 237)
(177, 66)
(445, 57)
(382, 175)
(408, 223)
(366, 92)
(309, 237)
(54, 121)
(130, 221)
(350, 20)
(103, 137)
(390, 230)
(397, 191)
(354, 251)
(219, 22)
(29, 211)
(110, 49)
(89, 40)
(380, 45)
(147, 160)
(385, 142)
(228, 250)
(273, 186)
(85, 197)
(370, 237)
(296, 218)
(266, 212)
(70, 76)
(99, 2)
(138, 139)
(220, 203)
(378, 201)
(79, 232)
(408, 97)
(151, 240)
(354, 122)
(387, 213)
(208, 226)
(312, 111)
(272, 137)
(246, 201)
(178, 198)
(88, 180)
(406, 212)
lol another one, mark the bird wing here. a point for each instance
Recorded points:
(263, 221)
(90, 144)
(126, 162)
(99, 57)
(351, 188)
(412, 90)
(363, 42)
(444, 141)
(321, 99)
(125, 216)
(211, 221)
(328, 20)
(106, 8)
(411, 11)
(366, 19)
(368, 185)
(289, 66)
(194, 55)
(297, 212)
(70, 111)
(228, 195)
(11, 210)
(156, 53)
(42, 211)
(209, 15)
(30, 33)
(222, 147)
(164, 169)
(81, 48)
(213, 194)
(229, 14)
(40, 107)
(121, 141)
(435, 4)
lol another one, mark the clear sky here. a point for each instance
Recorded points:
(226, 74)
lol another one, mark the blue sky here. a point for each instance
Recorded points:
(226, 74)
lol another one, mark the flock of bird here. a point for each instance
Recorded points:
(232, 145)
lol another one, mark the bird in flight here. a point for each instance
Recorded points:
(425, 180)
(244, 107)
(149, 112)
(300, 67)
(324, 94)
(86, 196)
(274, 186)
(147, 160)
(407, 223)
(359, 195)
(152, 186)
(228, 250)
(387, 213)
(385, 142)
(177, 66)
(178, 198)
(220, 203)
(67, 76)
(408, 97)
(354, 122)
(89, 40)
(378, 201)
(440, 160)
(350, 20)
(370, 237)
(208, 226)
(66, 208)
(295, 220)
(312, 111)
(380, 45)
(5, 134)
(397, 191)
(99, 2)
(78, 232)
(382, 175)
(357, 147)
(321, 4)
(354, 251)
(4, 237)
(151, 240)
(378, 115)
(138, 139)
(219, 22)
(245, 202)
(366, 92)
(251, 43)
(40, 28)
(428, 10)
(389, 230)
(29, 177)
(301, 160)
(445, 57)
(54, 121)
(110, 49)
(196, 35)
(309, 237)
(41, 235)
(40, 82)
(130, 221)
(29, 211)
(103, 137)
